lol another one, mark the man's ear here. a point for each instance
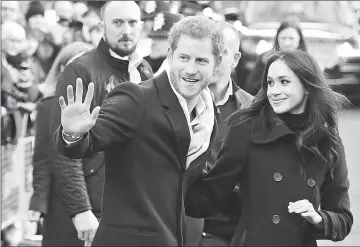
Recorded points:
(101, 24)
(169, 54)
(237, 57)
(218, 62)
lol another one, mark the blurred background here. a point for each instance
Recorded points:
(331, 30)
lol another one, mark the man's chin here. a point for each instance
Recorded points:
(122, 52)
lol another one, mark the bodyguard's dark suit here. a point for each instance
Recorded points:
(145, 137)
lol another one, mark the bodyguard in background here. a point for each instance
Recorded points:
(228, 98)
(113, 61)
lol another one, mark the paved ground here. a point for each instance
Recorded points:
(349, 124)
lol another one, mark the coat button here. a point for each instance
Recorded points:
(277, 176)
(334, 235)
(92, 171)
(311, 182)
(276, 219)
(204, 234)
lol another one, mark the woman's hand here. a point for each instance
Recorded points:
(306, 210)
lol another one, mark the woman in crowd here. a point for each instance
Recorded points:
(45, 201)
(288, 158)
(288, 37)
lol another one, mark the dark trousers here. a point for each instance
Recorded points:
(208, 239)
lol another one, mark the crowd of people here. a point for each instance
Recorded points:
(31, 41)
(178, 154)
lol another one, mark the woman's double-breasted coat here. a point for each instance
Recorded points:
(262, 157)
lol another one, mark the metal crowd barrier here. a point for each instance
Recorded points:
(16, 189)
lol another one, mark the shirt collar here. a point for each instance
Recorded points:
(200, 105)
(229, 92)
(134, 59)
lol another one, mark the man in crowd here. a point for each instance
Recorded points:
(18, 82)
(43, 46)
(156, 137)
(10, 11)
(228, 97)
(113, 61)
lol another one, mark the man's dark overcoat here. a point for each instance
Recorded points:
(145, 137)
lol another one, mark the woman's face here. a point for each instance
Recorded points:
(285, 91)
(288, 39)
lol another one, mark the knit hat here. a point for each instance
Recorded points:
(35, 8)
(163, 22)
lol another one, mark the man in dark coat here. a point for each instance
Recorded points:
(114, 61)
(156, 137)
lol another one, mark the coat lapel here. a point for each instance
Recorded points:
(175, 115)
(268, 131)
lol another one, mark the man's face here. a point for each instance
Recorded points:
(14, 44)
(192, 65)
(230, 58)
(9, 10)
(123, 27)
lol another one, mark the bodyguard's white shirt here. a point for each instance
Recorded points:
(229, 92)
(134, 61)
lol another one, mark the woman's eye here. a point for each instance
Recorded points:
(285, 82)
(270, 83)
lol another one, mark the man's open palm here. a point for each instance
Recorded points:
(76, 117)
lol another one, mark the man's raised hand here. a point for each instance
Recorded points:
(76, 117)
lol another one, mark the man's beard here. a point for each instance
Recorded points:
(119, 51)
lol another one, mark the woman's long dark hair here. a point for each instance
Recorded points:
(289, 23)
(321, 135)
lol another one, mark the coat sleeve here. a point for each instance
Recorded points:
(207, 196)
(68, 173)
(335, 202)
(41, 160)
(120, 116)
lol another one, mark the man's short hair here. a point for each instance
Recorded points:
(198, 27)
(226, 26)
(103, 8)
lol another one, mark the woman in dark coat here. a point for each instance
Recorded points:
(288, 37)
(45, 200)
(288, 158)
